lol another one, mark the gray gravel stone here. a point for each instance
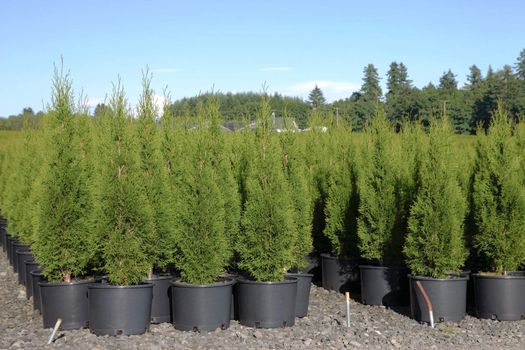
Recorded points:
(324, 328)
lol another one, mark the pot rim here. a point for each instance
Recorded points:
(20, 244)
(299, 274)
(518, 276)
(226, 282)
(63, 284)
(287, 280)
(330, 256)
(451, 278)
(157, 277)
(37, 272)
(376, 267)
(93, 285)
(23, 251)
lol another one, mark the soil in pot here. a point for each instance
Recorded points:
(119, 310)
(267, 304)
(302, 299)
(37, 276)
(30, 266)
(387, 286)
(21, 257)
(500, 297)
(340, 274)
(448, 297)
(202, 307)
(68, 301)
(161, 302)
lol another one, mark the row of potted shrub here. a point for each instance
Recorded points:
(422, 203)
(134, 201)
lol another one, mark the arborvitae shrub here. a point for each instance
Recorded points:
(64, 240)
(201, 214)
(268, 229)
(342, 201)
(382, 194)
(297, 176)
(435, 245)
(154, 178)
(499, 195)
(124, 216)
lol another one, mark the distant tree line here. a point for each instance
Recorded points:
(467, 106)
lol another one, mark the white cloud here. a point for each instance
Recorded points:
(332, 90)
(165, 70)
(276, 69)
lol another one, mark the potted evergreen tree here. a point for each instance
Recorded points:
(266, 242)
(64, 242)
(296, 174)
(383, 213)
(124, 225)
(340, 268)
(499, 207)
(435, 246)
(158, 245)
(201, 298)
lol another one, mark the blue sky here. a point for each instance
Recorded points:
(192, 46)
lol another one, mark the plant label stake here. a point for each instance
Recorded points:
(429, 304)
(57, 326)
(347, 309)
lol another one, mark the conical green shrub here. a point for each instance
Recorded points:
(124, 216)
(499, 195)
(383, 195)
(265, 245)
(435, 244)
(64, 242)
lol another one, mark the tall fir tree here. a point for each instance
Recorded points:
(448, 81)
(371, 89)
(316, 98)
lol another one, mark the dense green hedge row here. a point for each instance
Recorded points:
(131, 196)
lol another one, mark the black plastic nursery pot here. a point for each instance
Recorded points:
(234, 308)
(302, 299)
(383, 285)
(17, 247)
(37, 276)
(68, 301)
(21, 257)
(30, 266)
(10, 241)
(202, 307)
(448, 297)
(3, 238)
(119, 310)
(267, 304)
(500, 297)
(340, 274)
(161, 302)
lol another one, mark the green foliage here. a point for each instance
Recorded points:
(154, 180)
(434, 244)
(341, 203)
(297, 176)
(125, 218)
(207, 205)
(382, 215)
(266, 244)
(63, 243)
(499, 195)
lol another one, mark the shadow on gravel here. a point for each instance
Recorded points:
(402, 310)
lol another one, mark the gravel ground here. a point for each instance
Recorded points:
(324, 328)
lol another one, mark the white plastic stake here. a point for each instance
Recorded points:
(57, 326)
(347, 309)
